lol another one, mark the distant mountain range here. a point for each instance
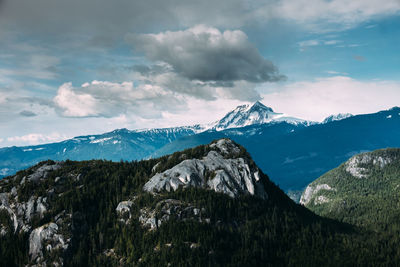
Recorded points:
(295, 155)
(124, 144)
(292, 151)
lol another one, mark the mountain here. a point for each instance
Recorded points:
(121, 144)
(363, 191)
(337, 117)
(257, 113)
(296, 155)
(205, 206)
(131, 145)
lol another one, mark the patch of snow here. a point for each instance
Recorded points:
(102, 140)
(39, 148)
(337, 117)
(246, 115)
(27, 150)
(389, 117)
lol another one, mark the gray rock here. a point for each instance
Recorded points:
(312, 190)
(45, 234)
(123, 208)
(353, 165)
(43, 171)
(171, 208)
(231, 176)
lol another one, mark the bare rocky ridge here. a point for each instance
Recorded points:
(354, 166)
(47, 237)
(219, 170)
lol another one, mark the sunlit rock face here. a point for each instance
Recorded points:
(220, 170)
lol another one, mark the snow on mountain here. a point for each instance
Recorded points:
(337, 117)
(257, 113)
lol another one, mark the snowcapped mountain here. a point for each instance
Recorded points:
(337, 117)
(257, 113)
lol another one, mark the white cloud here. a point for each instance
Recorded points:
(315, 100)
(74, 104)
(36, 138)
(107, 99)
(309, 43)
(328, 15)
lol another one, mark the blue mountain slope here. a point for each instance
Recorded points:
(134, 145)
(115, 145)
(295, 156)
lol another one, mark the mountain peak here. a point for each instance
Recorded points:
(232, 174)
(257, 113)
(258, 105)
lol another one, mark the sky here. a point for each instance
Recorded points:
(70, 68)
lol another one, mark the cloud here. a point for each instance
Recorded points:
(36, 138)
(103, 21)
(207, 54)
(308, 43)
(27, 113)
(107, 99)
(211, 90)
(328, 15)
(30, 64)
(322, 97)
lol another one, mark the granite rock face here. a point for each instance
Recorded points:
(355, 167)
(168, 209)
(220, 170)
(26, 209)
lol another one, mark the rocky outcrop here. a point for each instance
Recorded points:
(355, 167)
(45, 237)
(124, 211)
(43, 171)
(168, 209)
(26, 210)
(220, 170)
(313, 190)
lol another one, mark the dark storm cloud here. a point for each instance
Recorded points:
(206, 54)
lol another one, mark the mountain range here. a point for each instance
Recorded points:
(293, 151)
(206, 206)
(124, 144)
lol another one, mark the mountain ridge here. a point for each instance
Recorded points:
(362, 191)
(117, 144)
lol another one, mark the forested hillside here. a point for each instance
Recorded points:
(176, 210)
